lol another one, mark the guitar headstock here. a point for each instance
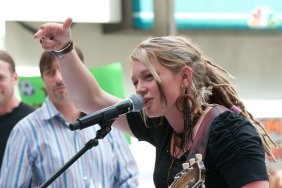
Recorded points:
(192, 175)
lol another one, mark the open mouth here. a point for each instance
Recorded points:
(147, 102)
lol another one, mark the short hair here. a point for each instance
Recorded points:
(47, 57)
(4, 56)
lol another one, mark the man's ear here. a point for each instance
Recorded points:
(186, 76)
(15, 77)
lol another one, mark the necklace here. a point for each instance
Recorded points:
(178, 139)
(174, 155)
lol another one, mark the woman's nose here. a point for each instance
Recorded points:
(140, 89)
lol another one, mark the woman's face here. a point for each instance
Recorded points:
(146, 86)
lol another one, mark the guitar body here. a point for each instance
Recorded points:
(190, 177)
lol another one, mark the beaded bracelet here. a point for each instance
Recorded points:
(66, 49)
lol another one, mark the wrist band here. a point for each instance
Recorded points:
(66, 49)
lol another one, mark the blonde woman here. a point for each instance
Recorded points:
(178, 85)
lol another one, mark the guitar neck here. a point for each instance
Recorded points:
(190, 177)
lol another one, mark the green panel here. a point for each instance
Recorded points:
(31, 90)
(110, 78)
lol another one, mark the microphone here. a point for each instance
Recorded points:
(133, 104)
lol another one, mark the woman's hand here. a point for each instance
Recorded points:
(54, 36)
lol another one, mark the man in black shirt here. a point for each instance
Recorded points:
(12, 109)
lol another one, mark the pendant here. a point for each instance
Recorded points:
(178, 140)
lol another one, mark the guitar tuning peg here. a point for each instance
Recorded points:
(192, 161)
(185, 166)
(198, 157)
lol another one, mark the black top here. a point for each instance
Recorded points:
(234, 154)
(8, 121)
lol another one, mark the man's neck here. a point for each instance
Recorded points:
(68, 110)
(9, 105)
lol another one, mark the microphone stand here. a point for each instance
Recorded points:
(100, 134)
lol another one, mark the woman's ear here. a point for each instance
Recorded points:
(186, 76)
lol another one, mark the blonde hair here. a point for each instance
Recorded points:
(175, 52)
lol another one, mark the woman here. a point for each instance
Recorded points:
(178, 85)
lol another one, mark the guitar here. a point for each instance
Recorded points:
(192, 175)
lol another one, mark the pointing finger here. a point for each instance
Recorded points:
(67, 23)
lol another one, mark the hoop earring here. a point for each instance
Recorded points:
(190, 101)
(188, 108)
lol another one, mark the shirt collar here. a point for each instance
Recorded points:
(49, 110)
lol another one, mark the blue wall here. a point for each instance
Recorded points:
(214, 14)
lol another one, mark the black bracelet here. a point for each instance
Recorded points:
(66, 49)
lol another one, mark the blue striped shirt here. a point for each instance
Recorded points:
(42, 143)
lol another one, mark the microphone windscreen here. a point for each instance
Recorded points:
(137, 102)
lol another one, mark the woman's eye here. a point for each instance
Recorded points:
(149, 77)
(135, 84)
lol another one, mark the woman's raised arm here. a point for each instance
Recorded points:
(81, 84)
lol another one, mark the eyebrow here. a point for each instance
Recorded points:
(46, 69)
(142, 72)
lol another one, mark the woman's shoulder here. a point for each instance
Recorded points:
(231, 125)
(235, 146)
